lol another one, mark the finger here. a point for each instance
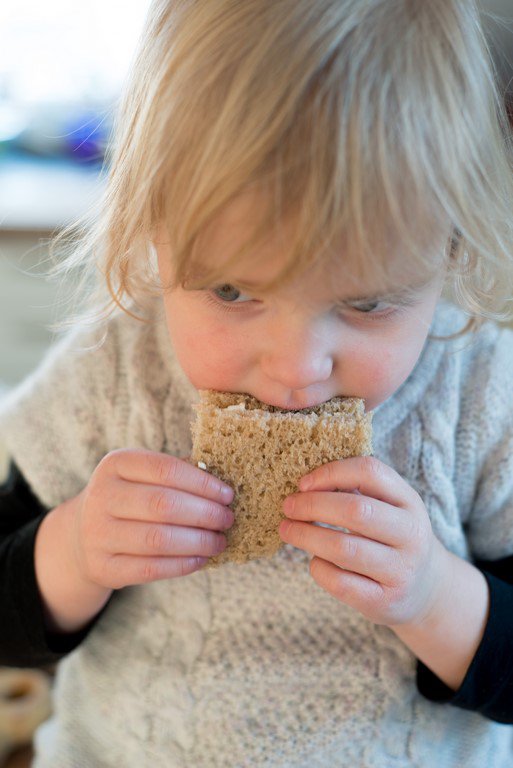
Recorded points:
(129, 570)
(360, 514)
(143, 466)
(364, 474)
(359, 592)
(158, 504)
(149, 539)
(352, 553)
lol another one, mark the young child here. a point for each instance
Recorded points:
(306, 198)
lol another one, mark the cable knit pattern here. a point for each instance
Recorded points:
(255, 665)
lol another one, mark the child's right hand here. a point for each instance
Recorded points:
(145, 516)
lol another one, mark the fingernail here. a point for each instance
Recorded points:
(305, 483)
(227, 494)
(288, 505)
(229, 520)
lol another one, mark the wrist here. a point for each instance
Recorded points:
(447, 636)
(444, 582)
(69, 600)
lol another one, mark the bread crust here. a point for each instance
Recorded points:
(262, 452)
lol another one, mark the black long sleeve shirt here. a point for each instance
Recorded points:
(25, 641)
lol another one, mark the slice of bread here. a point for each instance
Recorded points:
(262, 452)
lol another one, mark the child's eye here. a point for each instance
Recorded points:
(372, 307)
(229, 294)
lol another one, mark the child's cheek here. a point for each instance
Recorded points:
(374, 376)
(378, 373)
(209, 357)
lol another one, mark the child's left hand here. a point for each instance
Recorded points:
(391, 567)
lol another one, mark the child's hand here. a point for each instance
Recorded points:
(145, 516)
(390, 566)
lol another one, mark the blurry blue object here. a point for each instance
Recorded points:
(58, 130)
(85, 136)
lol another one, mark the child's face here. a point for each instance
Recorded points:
(306, 342)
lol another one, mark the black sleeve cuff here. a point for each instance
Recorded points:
(26, 643)
(488, 685)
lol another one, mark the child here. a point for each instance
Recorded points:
(295, 189)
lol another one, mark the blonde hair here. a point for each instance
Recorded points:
(374, 122)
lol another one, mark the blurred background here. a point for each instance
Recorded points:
(62, 67)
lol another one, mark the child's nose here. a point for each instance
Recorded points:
(296, 357)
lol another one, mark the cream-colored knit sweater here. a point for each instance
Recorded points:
(255, 665)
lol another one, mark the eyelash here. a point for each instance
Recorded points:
(224, 306)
